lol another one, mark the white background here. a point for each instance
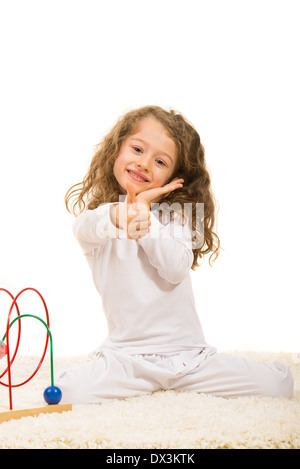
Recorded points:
(69, 69)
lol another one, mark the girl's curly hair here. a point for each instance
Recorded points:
(100, 185)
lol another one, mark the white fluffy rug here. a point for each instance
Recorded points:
(165, 419)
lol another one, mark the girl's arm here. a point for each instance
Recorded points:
(112, 220)
(93, 227)
(169, 248)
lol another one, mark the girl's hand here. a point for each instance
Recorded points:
(138, 214)
(154, 195)
(132, 215)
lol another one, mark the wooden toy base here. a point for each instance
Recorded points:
(17, 414)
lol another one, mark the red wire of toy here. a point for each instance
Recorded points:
(9, 362)
(19, 334)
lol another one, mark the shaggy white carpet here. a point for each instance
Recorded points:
(165, 419)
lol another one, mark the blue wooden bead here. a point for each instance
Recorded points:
(52, 395)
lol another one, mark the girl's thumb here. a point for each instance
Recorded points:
(130, 193)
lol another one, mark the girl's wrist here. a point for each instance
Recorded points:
(144, 202)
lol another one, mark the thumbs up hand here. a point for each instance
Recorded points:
(138, 214)
(133, 215)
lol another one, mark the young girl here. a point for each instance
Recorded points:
(140, 257)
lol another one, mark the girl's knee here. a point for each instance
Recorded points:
(280, 383)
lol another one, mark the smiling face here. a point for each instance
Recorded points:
(147, 158)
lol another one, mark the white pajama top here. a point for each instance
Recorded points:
(145, 284)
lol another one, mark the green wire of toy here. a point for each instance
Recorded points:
(50, 337)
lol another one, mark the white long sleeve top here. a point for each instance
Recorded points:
(145, 284)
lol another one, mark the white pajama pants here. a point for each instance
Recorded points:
(115, 375)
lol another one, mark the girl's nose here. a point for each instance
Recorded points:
(144, 162)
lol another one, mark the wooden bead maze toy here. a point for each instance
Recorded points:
(52, 394)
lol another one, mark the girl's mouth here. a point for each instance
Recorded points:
(137, 176)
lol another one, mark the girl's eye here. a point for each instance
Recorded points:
(137, 149)
(140, 151)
